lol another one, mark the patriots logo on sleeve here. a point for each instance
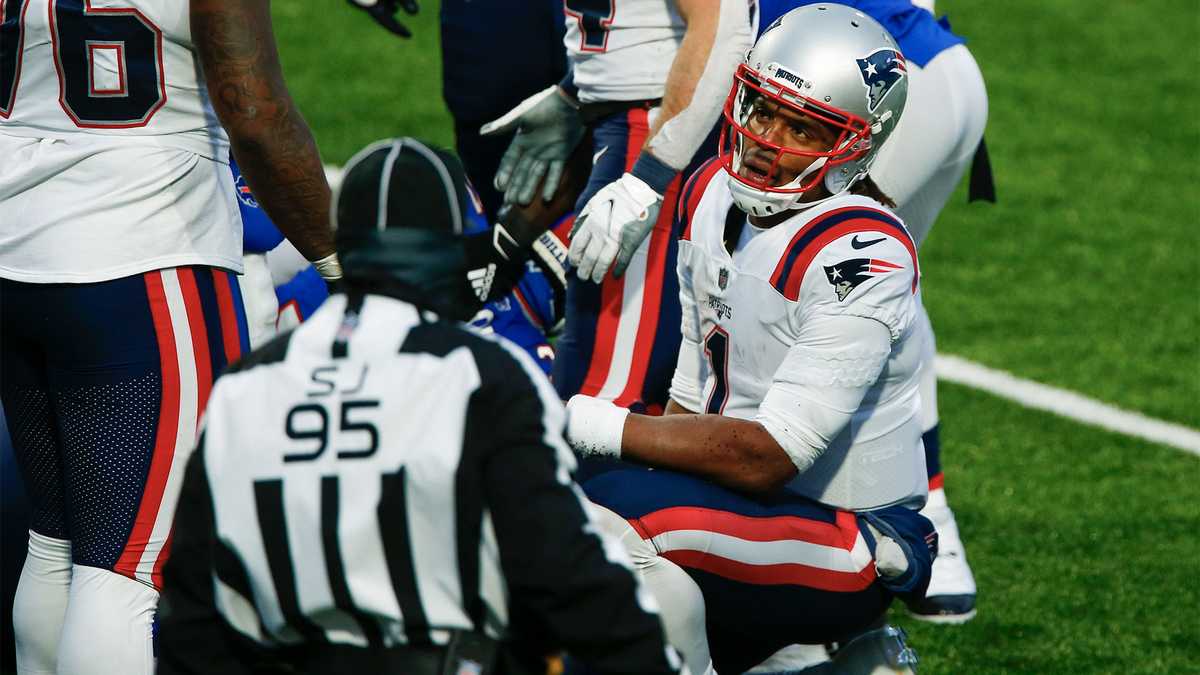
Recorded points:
(881, 70)
(848, 274)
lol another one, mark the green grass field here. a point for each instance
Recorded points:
(1084, 276)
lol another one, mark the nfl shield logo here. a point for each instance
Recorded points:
(723, 278)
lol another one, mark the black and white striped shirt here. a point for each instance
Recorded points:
(378, 479)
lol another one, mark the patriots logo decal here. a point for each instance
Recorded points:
(881, 70)
(848, 274)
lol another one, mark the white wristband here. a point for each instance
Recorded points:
(328, 267)
(595, 426)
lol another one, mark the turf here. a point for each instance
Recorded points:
(1080, 276)
(1082, 542)
(1083, 276)
(356, 83)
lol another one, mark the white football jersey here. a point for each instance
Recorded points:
(621, 51)
(115, 162)
(849, 256)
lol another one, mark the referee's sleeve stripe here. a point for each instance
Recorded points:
(554, 415)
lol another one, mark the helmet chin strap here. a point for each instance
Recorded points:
(835, 185)
(792, 201)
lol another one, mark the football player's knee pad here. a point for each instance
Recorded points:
(109, 625)
(640, 551)
(883, 651)
(40, 604)
(681, 606)
(680, 602)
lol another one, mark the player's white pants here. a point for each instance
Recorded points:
(77, 620)
(925, 158)
(109, 625)
(680, 602)
(40, 605)
(922, 161)
(258, 296)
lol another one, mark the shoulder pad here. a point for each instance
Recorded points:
(830, 230)
(693, 190)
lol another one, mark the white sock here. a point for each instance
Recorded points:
(680, 602)
(109, 625)
(41, 604)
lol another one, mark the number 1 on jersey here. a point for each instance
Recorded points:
(716, 348)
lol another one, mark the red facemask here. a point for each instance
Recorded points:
(853, 139)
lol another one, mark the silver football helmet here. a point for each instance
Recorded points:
(826, 62)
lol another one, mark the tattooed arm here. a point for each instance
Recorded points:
(271, 141)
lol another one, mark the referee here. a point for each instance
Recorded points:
(382, 491)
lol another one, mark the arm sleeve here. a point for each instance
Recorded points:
(687, 384)
(192, 636)
(568, 586)
(821, 382)
(679, 137)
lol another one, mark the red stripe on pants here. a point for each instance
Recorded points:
(229, 322)
(841, 534)
(168, 427)
(652, 292)
(612, 291)
(791, 574)
(199, 331)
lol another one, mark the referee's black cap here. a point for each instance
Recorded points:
(400, 215)
(403, 182)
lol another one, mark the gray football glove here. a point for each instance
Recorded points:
(548, 128)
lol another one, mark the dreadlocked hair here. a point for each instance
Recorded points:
(868, 188)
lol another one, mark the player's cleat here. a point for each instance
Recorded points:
(882, 651)
(951, 594)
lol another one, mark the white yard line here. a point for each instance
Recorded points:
(1066, 403)
(1035, 395)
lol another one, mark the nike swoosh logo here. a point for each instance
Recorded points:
(596, 157)
(863, 244)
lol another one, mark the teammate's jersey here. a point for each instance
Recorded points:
(621, 51)
(114, 161)
(848, 256)
(920, 36)
(110, 69)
